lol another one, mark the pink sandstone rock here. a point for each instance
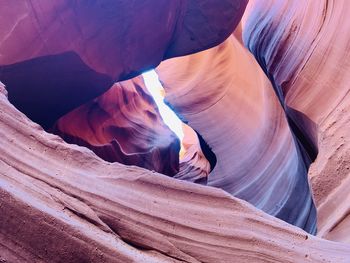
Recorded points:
(304, 48)
(225, 96)
(123, 125)
(67, 53)
(261, 119)
(69, 205)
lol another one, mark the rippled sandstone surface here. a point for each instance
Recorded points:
(123, 125)
(226, 97)
(265, 102)
(69, 205)
(304, 48)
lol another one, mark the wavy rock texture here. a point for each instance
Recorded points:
(103, 34)
(123, 125)
(194, 166)
(304, 48)
(67, 53)
(68, 205)
(225, 96)
(61, 203)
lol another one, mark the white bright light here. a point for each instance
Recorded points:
(169, 117)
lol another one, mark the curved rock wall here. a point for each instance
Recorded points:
(60, 55)
(103, 34)
(68, 205)
(123, 125)
(61, 203)
(225, 96)
(304, 48)
(194, 166)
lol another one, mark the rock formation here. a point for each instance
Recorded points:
(73, 52)
(194, 165)
(60, 202)
(265, 95)
(257, 157)
(123, 125)
(304, 48)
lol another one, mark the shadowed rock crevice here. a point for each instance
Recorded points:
(302, 127)
(122, 125)
(48, 87)
(306, 132)
(208, 153)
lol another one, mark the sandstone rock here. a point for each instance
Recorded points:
(304, 48)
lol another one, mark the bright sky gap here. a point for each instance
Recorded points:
(154, 86)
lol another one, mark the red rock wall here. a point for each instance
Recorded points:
(59, 202)
(226, 97)
(123, 125)
(304, 48)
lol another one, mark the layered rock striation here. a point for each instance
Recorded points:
(60, 202)
(261, 119)
(304, 49)
(123, 125)
(224, 95)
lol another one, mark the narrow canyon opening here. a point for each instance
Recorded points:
(196, 157)
(129, 123)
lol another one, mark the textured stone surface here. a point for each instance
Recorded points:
(123, 125)
(194, 165)
(305, 50)
(225, 96)
(105, 34)
(259, 132)
(68, 205)
(50, 51)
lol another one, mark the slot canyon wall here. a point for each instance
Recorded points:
(123, 125)
(304, 48)
(257, 158)
(264, 101)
